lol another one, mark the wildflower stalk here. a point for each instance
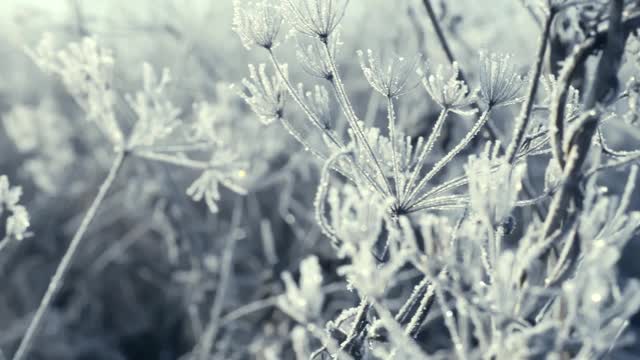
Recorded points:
(394, 140)
(358, 325)
(314, 119)
(59, 276)
(449, 156)
(523, 120)
(423, 308)
(209, 336)
(347, 108)
(435, 132)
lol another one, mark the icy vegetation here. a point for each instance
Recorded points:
(320, 179)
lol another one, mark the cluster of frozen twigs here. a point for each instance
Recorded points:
(500, 268)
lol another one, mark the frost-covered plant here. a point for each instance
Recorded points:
(461, 224)
(16, 217)
(303, 302)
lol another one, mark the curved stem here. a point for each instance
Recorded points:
(523, 120)
(59, 276)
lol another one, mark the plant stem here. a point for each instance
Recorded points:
(523, 120)
(209, 336)
(59, 276)
(347, 108)
(394, 146)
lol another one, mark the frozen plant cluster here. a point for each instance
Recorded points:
(448, 193)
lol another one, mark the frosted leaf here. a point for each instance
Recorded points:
(303, 301)
(447, 90)
(257, 23)
(392, 77)
(494, 185)
(156, 115)
(264, 94)
(500, 84)
(16, 216)
(315, 18)
(87, 72)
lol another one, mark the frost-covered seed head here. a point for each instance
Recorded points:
(391, 78)
(446, 89)
(500, 84)
(86, 70)
(313, 58)
(315, 18)
(257, 23)
(264, 94)
(156, 115)
(318, 102)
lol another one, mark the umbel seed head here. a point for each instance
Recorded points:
(257, 23)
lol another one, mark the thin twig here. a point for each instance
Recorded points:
(59, 276)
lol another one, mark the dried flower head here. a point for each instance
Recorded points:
(313, 58)
(264, 94)
(500, 84)
(156, 115)
(391, 78)
(447, 90)
(87, 72)
(315, 18)
(257, 23)
(318, 102)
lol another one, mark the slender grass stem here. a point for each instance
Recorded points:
(523, 119)
(59, 276)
